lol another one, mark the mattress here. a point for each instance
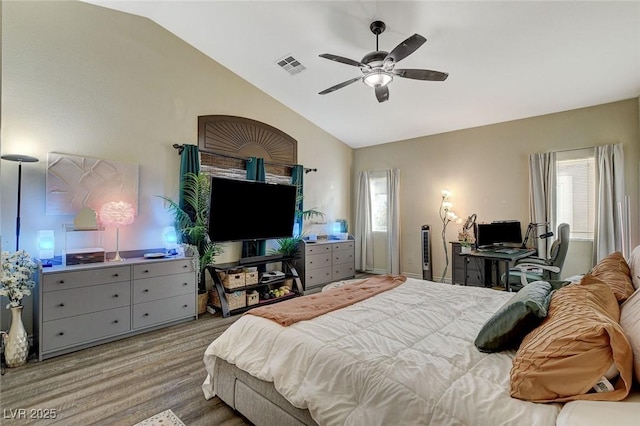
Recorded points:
(404, 357)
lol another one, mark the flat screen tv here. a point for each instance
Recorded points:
(498, 233)
(246, 210)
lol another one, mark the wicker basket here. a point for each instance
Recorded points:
(233, 280)
(235, 300)
(251, 278)
(252, 298)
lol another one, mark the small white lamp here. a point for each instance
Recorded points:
(46, 246)
(170, 238)
(117, 213)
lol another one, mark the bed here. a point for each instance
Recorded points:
(425, 368)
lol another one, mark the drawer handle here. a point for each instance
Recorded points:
(116, 275)
(115, 321)
(185, 266)
(185, 306)
(61, 282)
(61, 333)
(145, 315)
(115, 295)
(146, 290)
(185, 284)
(146, 271)
(61, 305)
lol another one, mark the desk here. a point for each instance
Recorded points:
(507, 258)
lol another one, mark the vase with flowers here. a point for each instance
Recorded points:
(466, 239)
(16, 282)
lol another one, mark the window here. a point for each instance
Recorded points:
(575, 197)
(378, 188)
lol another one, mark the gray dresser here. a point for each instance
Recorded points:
(326, 261)
(84, 305)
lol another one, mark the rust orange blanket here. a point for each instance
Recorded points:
(311, 306)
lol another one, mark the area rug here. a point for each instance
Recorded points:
(166, 418)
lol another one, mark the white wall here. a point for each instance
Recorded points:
(83, 80)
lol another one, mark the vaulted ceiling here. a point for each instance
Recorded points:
(506, 59)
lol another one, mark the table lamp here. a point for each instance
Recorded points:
(117, 213)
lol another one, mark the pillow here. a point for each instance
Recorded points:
(630, 323)
(614, 271)
(634, 266)
(517, 317)
(574, 347)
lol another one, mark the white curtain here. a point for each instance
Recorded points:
(608, 237)
(542, 196)
(363, 232)
(393, 221)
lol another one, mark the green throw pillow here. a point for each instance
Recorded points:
(516, 318)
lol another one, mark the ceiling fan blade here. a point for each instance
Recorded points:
(343, 60)
(406, 48)
(382, 93)
(421, 74)
(339, 86)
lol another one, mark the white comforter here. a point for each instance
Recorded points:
(404, 357)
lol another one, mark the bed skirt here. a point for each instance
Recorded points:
(256, 399)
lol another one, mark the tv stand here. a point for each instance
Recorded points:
(260, 259)
(290, 272)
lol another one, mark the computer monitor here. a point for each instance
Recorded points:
(498, 233)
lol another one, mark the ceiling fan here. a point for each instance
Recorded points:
(378, 68)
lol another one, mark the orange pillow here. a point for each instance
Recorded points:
(574, 347)
(615, 272)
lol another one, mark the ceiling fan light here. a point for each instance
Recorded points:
(377, 78)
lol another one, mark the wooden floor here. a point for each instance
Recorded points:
(123, 382)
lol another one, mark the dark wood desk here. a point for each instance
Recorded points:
(498, 256)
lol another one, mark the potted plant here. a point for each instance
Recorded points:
(192, 222)
(15, 283)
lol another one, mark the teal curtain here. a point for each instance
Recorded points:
(189, 163)
(255, 171)
(297, 179)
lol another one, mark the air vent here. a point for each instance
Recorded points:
(290, 65)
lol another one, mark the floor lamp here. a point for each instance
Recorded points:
(20, 159)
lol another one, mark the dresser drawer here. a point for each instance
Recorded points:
(317, 276)
(317, 248)
(86, 277)
(318, 260)
(85, 328)
(348, 245)
(147, 289)
(147, 270)
(79, 301)
(343, 271)
(343, 256)
(159, 311)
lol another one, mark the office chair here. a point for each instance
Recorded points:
(532, 269)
